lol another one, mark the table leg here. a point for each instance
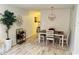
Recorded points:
(39, 38)
(62, 41)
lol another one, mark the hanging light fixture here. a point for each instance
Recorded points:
(51, 16)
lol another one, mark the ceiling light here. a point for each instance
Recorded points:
(51, 16)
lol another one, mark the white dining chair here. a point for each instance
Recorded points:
(66, 39)
(49, 36)
(41, 38)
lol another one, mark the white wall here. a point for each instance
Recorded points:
(72, 26)
(27, 25)
(60, 23)
(28, 22)
(12, 32)
(76, 36)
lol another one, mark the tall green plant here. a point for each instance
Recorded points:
(8, 19)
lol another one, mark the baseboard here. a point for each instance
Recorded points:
(29, 36)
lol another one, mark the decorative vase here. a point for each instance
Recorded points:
(8, 44)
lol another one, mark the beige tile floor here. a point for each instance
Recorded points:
(32, 47)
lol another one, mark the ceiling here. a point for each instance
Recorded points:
(42, 6)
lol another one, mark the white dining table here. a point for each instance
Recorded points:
(62, 36)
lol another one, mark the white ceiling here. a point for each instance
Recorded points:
(42, 6)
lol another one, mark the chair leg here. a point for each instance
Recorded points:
(59, 42)
(39, 40)
(67, 43)
(43, 41)
(53, 42)
(46, 42)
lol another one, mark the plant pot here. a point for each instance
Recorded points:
(8, 44)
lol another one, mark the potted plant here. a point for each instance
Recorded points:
(8, 19)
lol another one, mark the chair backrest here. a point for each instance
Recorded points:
(67, 35)
(49, 32)
(52, 29)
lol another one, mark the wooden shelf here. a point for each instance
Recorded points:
(20, 36)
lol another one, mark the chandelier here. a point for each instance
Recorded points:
(51, 16)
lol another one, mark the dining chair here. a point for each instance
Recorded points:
(49, 36)
(41, 38)
(66, 39)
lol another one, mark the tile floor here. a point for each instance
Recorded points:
(32, 47)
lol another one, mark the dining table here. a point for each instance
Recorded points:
(59, 34)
